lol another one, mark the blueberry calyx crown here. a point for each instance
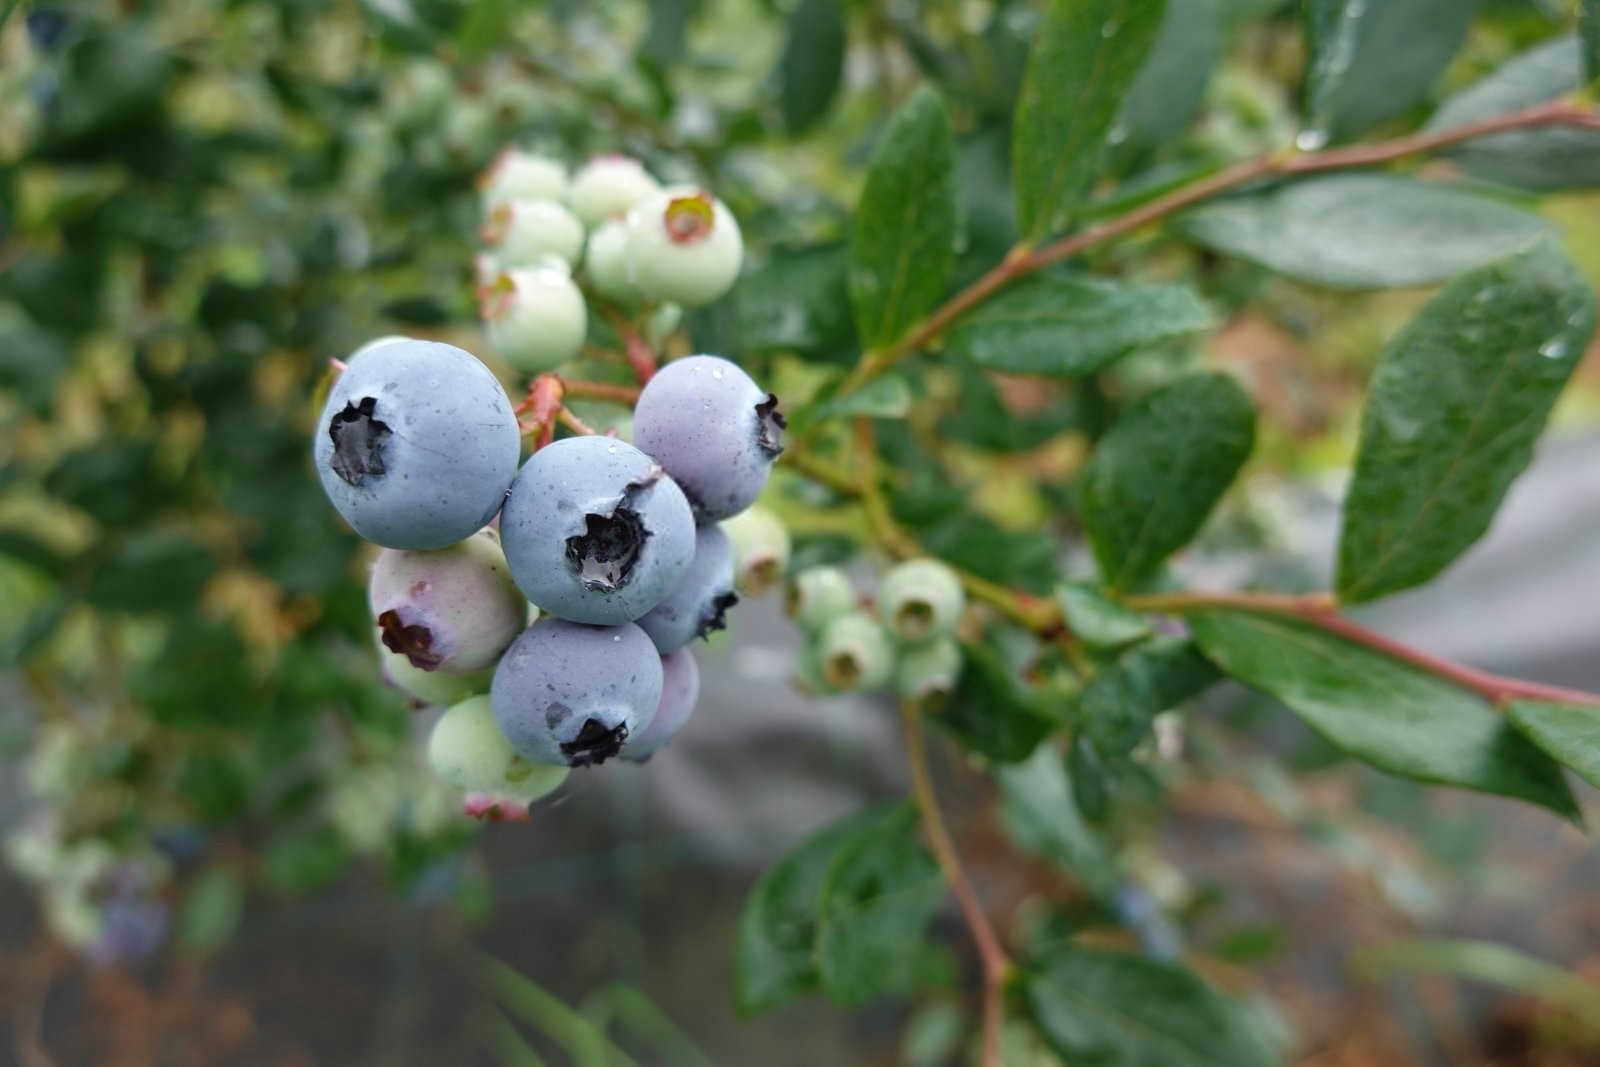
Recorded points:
(413, 641)
(604, 554)
(770, 424)
(716, 615)
(594, 744)
(359, 440)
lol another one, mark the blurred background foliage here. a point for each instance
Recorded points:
(202, 201)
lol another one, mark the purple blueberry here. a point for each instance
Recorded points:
(680, 688)
(595, 531)
(714, 430)
(570, 694)
(699, 603)
(416, 444)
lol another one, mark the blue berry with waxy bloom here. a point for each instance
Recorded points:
(680, 689)
(699, 603)
(416, 445)
(450, 609)
(715, 431)
(920, 599)
(570, 694)
(595, 531)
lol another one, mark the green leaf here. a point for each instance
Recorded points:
(812, 61)
(1041, 816)
(796, 301)
(884, 398)
(774, 959)
(1127, 1011)
(902, 246)
(1551, 158)
(1098, 620)
(1088, 773)
(210, 911)
(1085, 57)
(881, 889)
(1568, 732)
(1379, 709)
(1363, 231)
(1171, 85)
(1119, 703)
(990, 712)
(1371, 61)
(1070, 326)
(1456, 404)
(1154, 478)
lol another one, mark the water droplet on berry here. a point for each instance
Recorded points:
(1109, 29)
(717, 374)
(1311, 140)
(1554, 348)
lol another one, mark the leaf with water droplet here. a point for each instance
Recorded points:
(1456, 404)
(1085, 56)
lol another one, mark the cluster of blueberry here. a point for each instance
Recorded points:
(636, 243)
(618, 549)
(907, 639)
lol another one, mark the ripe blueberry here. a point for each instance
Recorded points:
(570, 694)
(536, 317)
(595, 531)
(699, 603)
(452, 609)
(920, 599)
(416, 445)
(713, 429)
(684, 246)
(680, 688)
(607, 186)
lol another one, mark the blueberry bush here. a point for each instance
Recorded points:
(593, 320)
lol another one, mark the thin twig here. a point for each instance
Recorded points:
(626, 395)
(1023, 261)
(566, 418)
(640, 356)
(1318, 611)
(996, 964)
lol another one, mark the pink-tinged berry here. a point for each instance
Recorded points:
(452, 609)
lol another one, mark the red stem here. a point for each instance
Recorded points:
(1318, 611)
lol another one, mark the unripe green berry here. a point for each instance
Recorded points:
(522, 232)
(434, 688)
(920, 599)
(606, 261)
(662, 321)
(467, 750)
(419, 93)
(760, 550)
(607, 186)
(468, 132)
(927, 673)
(536, 317)
(854, 653)
(684, 246)
(518, 175)
(818, 595)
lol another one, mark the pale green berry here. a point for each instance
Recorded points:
(468, 131)
(434, 688)
(661, 322)
(760, 549)
(920, 599)
(467, 750)
(607, 186)
(522, 232)
(818, 595)
(518, 175)
(606, 261)
(536, 317)
(927, 673)
(684, 246)
(854, 652)
(419, 93)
